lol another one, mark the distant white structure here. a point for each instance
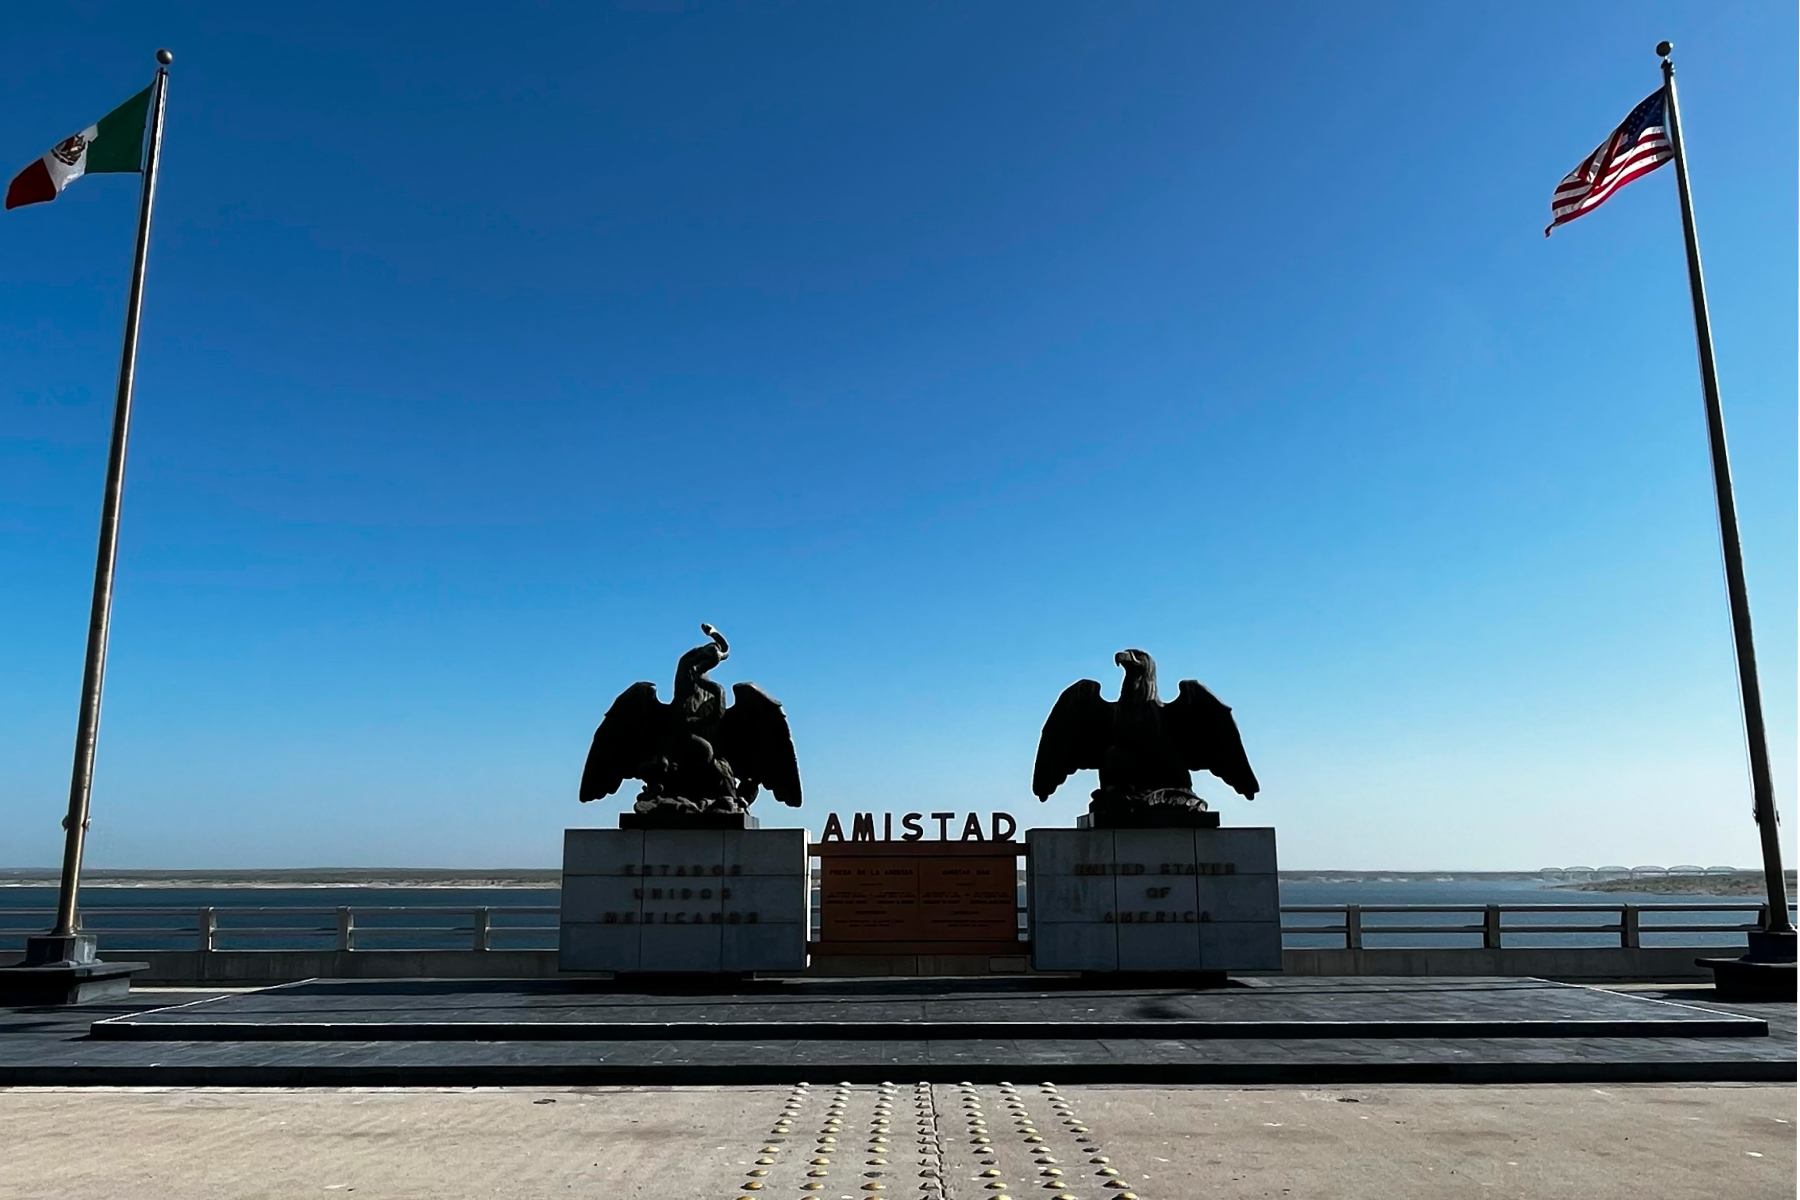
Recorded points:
(1651, 871)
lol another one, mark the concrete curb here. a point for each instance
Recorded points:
(151, 1030)
(701, 1074)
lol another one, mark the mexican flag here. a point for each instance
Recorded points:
(114, 143)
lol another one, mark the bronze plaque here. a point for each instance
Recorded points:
(919, 898)
(868, 899)
(969, 899)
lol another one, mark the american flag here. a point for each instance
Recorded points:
(1637, 147)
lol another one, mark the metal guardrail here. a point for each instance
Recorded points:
(1492, 927)
(317, 927)
(512, 927)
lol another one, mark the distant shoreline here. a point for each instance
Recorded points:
(1740, 883)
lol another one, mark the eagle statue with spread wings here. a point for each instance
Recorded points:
(1145, 750)
(694, 754)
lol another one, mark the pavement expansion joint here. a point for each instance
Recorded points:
(930, 1142)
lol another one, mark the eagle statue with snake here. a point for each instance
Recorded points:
(694, 754)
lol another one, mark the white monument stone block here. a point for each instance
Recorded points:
(1069, 898)
(681, 948)
(586, 899)
(607, 947)
(753, 852)
(619, 853)
(703, 900)
(1240, 946)
(1075, 946)
(771, 897)
(1163, 946)
(1246, 851)
(753, 947)
(1062, 853)
(1154, 900)
(1239, 897)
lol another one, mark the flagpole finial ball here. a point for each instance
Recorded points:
(1664, 49)
(165, 57)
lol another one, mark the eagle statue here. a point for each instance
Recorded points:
(1144, 749)
(694, 754)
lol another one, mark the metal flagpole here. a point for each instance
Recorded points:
(63, 943)
(1762, 785)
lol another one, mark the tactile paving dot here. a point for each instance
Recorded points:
(930, 1142)
(1022, 1141)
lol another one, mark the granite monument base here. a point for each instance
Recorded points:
(713, 901)
(1154, 900)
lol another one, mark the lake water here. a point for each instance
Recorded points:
(176, 915)
(174, 923)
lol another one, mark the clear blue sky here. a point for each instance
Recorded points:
(932, 352)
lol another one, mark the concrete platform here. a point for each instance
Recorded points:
(943, 1010)
(54, 1047)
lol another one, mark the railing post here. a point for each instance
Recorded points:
(1490, 928)
(1630, 933)
(208, 926)
(346, 930)
(481, 929)
(1353, 927)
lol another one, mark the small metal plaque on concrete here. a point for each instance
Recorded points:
(710, 900)
(1154, 900)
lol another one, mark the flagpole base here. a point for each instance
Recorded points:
(1765, 972)
(61, 950)
(64, 970)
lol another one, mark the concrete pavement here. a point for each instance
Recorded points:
(938, 1142)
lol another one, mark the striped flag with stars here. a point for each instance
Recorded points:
(1636, 148)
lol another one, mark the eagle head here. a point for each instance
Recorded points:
(1140, 674)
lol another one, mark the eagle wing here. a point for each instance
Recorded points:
(1075, 737)
(1200, 727)
(626, 737)
(754, 738)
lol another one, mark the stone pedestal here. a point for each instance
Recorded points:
(687, 900)
(1166, 817)
(1182, 900)
(667, 819)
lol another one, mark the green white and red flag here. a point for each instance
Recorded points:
(114, 143)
